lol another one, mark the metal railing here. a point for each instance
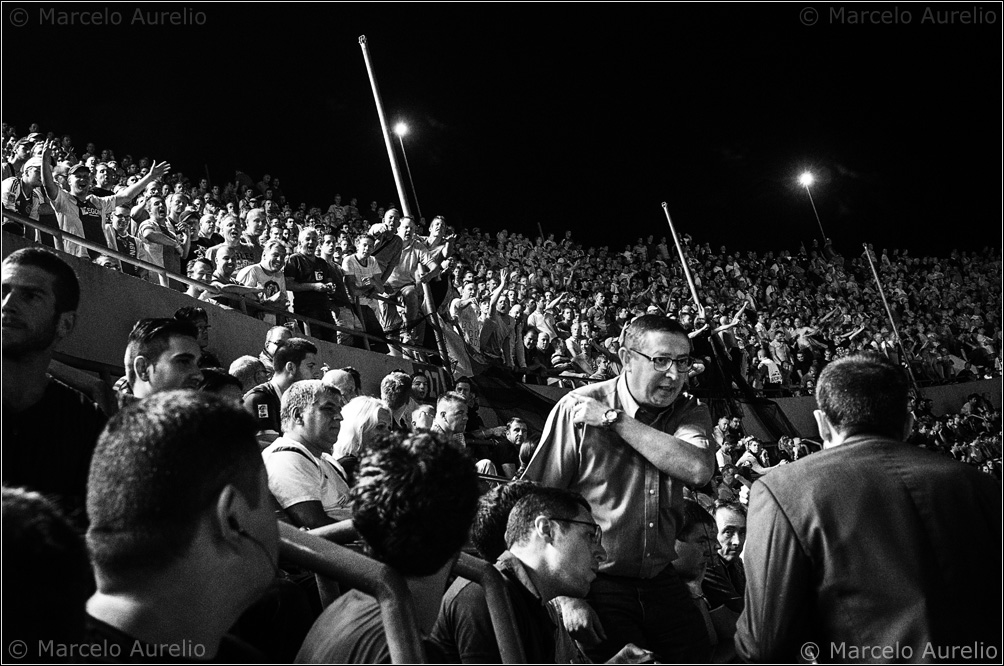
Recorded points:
(325, 557)
(244, 304)
(378, 580)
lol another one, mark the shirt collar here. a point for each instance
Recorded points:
(509, 562)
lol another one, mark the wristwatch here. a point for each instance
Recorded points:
(611, 416)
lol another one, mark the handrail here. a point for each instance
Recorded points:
(396, 607)
(244, 302)
(499, 605)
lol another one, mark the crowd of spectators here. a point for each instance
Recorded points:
(548, 310)
(285, 434)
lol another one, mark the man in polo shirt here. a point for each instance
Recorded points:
(657, 440)
(81, 213)
(294, 361)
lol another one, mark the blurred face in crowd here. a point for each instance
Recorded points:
(543, 341)
(157, 208)
(364, 247)
(420, 387)
(453, 417)
(321, 421)
(201, 272)
(308, 242)
(121, 217)
(731, 533)
(273, 258)
(231, 230)
(328, 245)
(647, 385)
(256, 224)
(530, 339)
(226, 261)
(694, 553)
(516, 432)
(464, 389)
(406, 230)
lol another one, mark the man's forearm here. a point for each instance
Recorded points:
(674, 456)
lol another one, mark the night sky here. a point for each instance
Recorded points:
(582, 117)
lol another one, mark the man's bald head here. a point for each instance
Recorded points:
(341, 380)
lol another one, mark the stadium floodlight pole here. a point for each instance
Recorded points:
(400, 130)
(683, 259)
(384, 128)
(437, 327)
(805, 180)
(888, 312)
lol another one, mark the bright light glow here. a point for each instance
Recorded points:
(400, 129)
(805, 179)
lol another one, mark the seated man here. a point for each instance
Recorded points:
(182, 535)
(413, 503)
(554, 550)
(725, 581)
(294, 361)
(312, 488)
(161, 355)
(695, 548)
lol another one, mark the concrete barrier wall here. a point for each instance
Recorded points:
(111, 303)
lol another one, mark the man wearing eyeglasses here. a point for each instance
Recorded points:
(629, 445)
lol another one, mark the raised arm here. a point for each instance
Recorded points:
(157, 171)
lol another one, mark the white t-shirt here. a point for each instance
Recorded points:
(363, 274)
(84, 217)
(296, 476)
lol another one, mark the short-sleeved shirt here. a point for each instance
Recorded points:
(363, 274)
(296, 475)
(412, 256)
(264, 402)
(48, 447)
(349, 631)
(127, 244)
(84, 217)
(272, 283)
(310, 270)
(636, 505)
(16, 198)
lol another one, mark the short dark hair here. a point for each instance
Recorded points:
(494, 507)
(53, 576)
(414, 501)
(465, 380)
(157, 466)
(292, 351)
(864, 393)
(692, 515)
(191, 314)
(357, 378)
(150, 338)
(638, 327)
(394, 388)
(541, 501)
(214, 379)
(65, 286)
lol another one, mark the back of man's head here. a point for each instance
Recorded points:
(541, 501)
(341, 380)
(494, 507)
(413, 502)
(864, 393)
(65, 286)
(158, 466)
(150, 338)
(394, 389)
(248, 370)
(292, 351)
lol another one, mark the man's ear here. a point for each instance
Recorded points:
(141, 367)
(67, 322)
(622, 354)
(227, 514)
(908, 426)
(826, 431)
(542, 526)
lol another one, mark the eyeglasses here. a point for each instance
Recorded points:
(663, 363)
(597, 530)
